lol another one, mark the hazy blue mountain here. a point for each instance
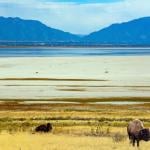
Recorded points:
(132, 32)
(16, 29)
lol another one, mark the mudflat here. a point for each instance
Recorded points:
(74, 77)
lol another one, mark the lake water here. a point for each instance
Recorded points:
(64, 52)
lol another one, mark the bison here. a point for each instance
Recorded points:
(137, 132)
(44, 128)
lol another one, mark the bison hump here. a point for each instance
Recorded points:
(135, 126)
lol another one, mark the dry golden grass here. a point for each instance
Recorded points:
(27, 141)
(26, 116)
(75, 126)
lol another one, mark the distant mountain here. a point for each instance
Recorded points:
(16, 29)
(132, 32)
(135, 32)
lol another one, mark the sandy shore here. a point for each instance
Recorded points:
(58, 77)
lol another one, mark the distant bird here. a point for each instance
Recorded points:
(137, 132)
(44, 128)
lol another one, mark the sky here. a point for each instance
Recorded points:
(76, 16)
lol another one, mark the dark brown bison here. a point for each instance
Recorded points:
(137, 132)
(44, 128)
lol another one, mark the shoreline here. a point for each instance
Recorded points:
(76, 47)
(81, 100)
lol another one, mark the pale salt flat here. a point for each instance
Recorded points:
(118, 76)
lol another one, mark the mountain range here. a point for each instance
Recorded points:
(132, 32)
(16, 29)
(135, 32)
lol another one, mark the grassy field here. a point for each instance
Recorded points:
(75, 126)
(27, 141)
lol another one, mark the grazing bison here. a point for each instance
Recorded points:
(44, 128)
(137, 132)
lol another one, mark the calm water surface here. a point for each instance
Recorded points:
(72, 52)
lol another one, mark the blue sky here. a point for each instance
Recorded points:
(76, 16)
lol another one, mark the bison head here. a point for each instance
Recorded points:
(49, 126)
(144, 134)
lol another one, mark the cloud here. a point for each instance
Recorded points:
(74, 16)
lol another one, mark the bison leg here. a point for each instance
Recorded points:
(130, 137)
(138, 143)
(133, 141)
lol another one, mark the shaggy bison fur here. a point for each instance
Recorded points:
(137, 132)
(44, 128)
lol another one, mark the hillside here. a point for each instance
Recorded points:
(16, 29)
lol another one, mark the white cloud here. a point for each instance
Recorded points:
(73, 17)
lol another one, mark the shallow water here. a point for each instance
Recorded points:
(63, 52)
(71, 102)
(48, 102)
(120, 103)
